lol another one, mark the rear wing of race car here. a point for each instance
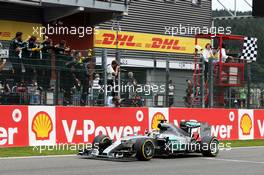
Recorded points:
(205, 129)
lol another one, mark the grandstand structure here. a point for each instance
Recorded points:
(27, 15)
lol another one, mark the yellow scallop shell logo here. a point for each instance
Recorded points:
(42, 126)
(246, 124)
(155, 120)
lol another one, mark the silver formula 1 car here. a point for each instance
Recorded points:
(169, 140)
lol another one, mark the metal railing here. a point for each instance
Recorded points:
(64, 82)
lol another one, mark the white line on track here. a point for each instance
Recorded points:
(36, 157)
(237, 148)
(249, 147)
(71, 155)
(234, 160)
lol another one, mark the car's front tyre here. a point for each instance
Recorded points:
(145, 149)
(101, 142)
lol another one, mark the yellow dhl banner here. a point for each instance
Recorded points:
(8, 29)
(147, 42)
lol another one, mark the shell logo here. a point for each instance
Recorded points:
(246, 124)
(155, 120)
(42, 125)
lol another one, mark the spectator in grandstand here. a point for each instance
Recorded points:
(207, 54)
(61, 48)
(96, 88)
(112, 77)
(131, 89)
(31, 59)
(112, 72)
(34, 92)
(116, 101)
(2, 64)
(80, 74)
(225, 57)
(46, 46)
(15, 54)
(64, 71)
(242, 97)
(171, 93)
(188, 99)
(96, 82)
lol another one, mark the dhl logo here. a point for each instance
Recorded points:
(129, 40)
(5, 34)
(161, 43)
(123, 40)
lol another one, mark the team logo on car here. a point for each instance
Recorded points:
(246, 124)
(42, 126)
(155, 120)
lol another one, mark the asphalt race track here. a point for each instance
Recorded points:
(242, 161)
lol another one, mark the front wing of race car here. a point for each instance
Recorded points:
(140, 147)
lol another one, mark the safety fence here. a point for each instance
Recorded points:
(54, 125)
(78, 80)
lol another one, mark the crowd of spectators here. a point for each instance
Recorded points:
(31, 76)
(31, 69)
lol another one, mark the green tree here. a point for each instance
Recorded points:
(253, 27)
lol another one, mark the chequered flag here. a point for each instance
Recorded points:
(250, 48)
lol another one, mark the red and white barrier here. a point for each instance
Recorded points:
(50, 125)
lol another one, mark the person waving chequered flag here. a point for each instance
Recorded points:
(250, 48)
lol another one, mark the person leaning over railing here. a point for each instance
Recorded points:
(30, 59)
(79, 73)
(112, 77)
(2, 78)
(46, 46)
(207, 54)
(15, 54)
(63, 56)
(2, 63)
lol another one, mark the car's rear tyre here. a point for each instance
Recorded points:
(101, 142)
(209, 146)
(145, 149)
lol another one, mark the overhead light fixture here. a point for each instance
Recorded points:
(81, 8)
(25, 2)
(196, 2)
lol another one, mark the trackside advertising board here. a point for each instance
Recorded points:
(145, 41)
(51, 125)
(81, 124)
(13, 126)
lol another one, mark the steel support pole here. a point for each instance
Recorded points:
(202, 83)
(248, 83)
(211, 84)
(104, 66)
(118, 59)
(167, 81)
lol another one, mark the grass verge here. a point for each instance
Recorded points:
(244, 143)
(30, 151)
